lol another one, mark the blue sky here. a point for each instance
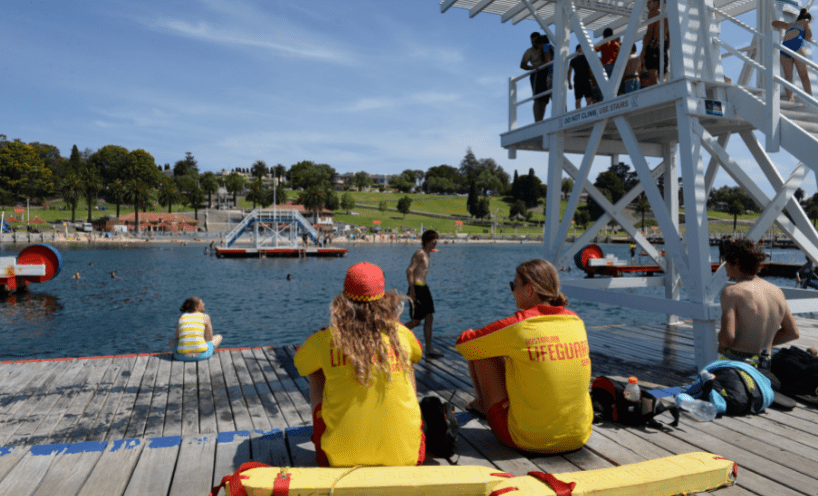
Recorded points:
(380, 86)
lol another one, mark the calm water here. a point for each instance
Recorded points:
(250, 301)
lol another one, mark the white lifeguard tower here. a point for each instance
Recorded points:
(675, 120)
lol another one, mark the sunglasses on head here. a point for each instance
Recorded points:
(512, 285)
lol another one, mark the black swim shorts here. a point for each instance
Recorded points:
(582, 89)
(423, 304)
(652, 59)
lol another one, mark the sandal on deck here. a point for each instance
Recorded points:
(474, 411)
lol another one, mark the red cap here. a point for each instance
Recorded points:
(633, 380)
(364, 282)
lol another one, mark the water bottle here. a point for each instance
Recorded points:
(700, 410)
(632, 392)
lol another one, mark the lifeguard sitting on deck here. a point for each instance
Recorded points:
(362, 382)
(194, 338)
(531, 371)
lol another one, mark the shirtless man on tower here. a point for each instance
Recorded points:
(423, 307)
(754, 313)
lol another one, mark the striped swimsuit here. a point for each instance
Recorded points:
(190, 331)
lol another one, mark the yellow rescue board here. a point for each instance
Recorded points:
(680, 474)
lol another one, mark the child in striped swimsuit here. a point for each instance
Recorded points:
(194, 333)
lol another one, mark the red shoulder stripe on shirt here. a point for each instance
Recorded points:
(535, 311)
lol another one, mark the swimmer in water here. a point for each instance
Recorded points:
(289, 276)
(113, 275)
(76, 276)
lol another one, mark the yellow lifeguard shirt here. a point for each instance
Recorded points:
(378, 424)
(548, 373)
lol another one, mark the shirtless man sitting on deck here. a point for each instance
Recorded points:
(755, 315)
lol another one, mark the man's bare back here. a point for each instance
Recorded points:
(755, 316)
(418, 267)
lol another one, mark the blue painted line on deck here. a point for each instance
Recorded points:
(48, 449)
(6, 450)
(164, 442)
(128, 444)
(305, 430)
(272, 434)
(229, 437)
(86, 447)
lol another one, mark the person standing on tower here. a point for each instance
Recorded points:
(534, 58)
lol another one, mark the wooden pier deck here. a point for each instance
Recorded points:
(148, 425)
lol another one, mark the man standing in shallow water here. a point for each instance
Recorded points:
(422, 305)
(754, 313)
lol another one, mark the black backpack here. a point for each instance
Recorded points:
(440, 426)
(797, 370)
(609, 402)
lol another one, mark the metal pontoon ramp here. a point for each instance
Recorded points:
(273, 228)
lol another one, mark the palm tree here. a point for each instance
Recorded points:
(209, 185)
(117, 193)
(642, 206)
(169, 193)
(89, 183)
(257, 193)
(259, 169)
(139, 193)
(313, 198)
(235, 185)
(71, 192)
(194, 197)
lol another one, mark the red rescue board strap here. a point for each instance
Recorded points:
(559, 487)
(236, 487)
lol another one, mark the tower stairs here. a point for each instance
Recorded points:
(681, 131)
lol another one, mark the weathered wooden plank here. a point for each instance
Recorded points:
(38, 382)
(53, 417)
(786, 434)
(154, 470)
(241, 415)
(301, 447)
(31, 469)
(232, 449)
(270, 448)
(97, 402)
(282, 401)
(155, 421)
(105, 420)
(26, 420)
(10, 456)
(122, 417)
(113, 470)
(194, 467)
(25, 377)
(478, 434)
(291, 388)
(70, 469)
(63, 430)
(173, 411)
(142, 404)
(206, 405)
(224, 415)
(258, 416)
(268, 400)
(774, 471)
(748, 478)
(190, 400)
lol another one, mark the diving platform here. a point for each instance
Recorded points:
(679, 132)
(276, 232)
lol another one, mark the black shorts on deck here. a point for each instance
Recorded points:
(423, 304)
(582, 89)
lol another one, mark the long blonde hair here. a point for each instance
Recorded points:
(543, 279)
(357, 329)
